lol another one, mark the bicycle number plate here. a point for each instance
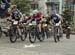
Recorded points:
(68, 27)
(30, 24)
(34, 22)
(15, 22)
(57, 24)
(45, 24)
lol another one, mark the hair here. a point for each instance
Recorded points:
(14, 7)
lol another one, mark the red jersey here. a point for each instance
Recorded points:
(38, 16)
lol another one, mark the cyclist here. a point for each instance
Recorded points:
(38, 16)
(16, 15)
(57, 18)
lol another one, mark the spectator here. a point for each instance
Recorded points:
(6, 1)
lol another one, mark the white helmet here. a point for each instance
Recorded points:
(54, 12)
(35, 11)
(46, 15)
(31, 14)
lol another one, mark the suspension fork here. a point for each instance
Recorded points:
(58, 31)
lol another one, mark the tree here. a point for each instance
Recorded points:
(74, 1)
(0, 0)
(68, 15)
(23, 5)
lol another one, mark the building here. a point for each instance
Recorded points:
(40, 5)
(46, 6)
(55, 4)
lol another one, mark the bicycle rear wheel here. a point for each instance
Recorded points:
(0, 32)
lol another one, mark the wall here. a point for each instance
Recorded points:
(42, 6)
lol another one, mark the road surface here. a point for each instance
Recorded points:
(48, 47)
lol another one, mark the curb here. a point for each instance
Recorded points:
(73, 33)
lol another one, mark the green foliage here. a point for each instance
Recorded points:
(0, 1)
(68, 15)
(23, 5)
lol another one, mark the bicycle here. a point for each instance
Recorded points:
(16, 32)
(34, 33)
(0, 32)
(57, 32)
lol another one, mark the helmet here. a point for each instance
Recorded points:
(46, 15)
(31, 14)
(13, 6)
(35, 11)
(54, 12)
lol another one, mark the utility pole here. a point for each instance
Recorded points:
(60, 6)
(74, 16)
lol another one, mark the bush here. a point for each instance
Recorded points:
(68, 15)
(23, 5)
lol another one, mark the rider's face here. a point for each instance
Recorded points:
(14, 9)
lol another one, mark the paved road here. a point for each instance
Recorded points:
(48, 47)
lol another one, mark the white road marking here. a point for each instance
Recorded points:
(31, 45)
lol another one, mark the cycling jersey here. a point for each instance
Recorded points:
(37, 17)
(44, 19)
(16, 15)
(55, 18)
